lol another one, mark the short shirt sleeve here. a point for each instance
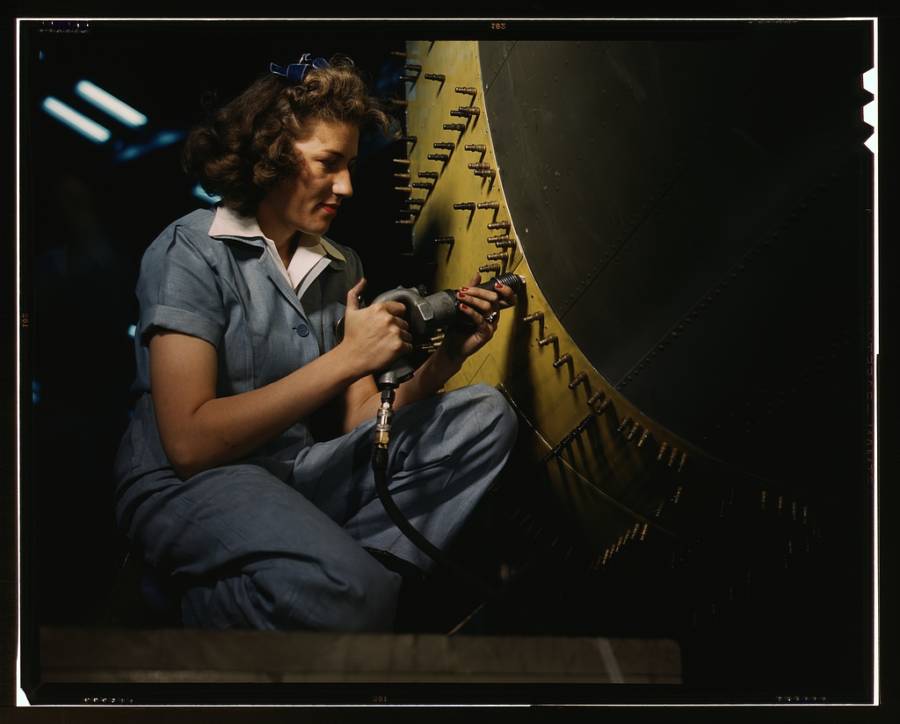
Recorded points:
(180, 290)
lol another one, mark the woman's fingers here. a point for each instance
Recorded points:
(470, 312)
(353, 294)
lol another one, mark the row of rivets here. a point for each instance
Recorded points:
(568, 438)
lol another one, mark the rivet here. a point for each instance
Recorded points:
(447, 145)
(436, 76)
(644, 437)
(489, 205)
(404, 189)
(489, 268)
(428, 174)
(476, 147)
(466, 90)
(413, 67)
(402, 161)
(442, 157)
(499, 225)
(536, 317)
(454, 127)
(662, 451)
(497, 239)
(444, 240)
(497, 256)
(623, 424)
(549, 339)
(422, 185)
(508, 244)
(561, 360)
(403, 176)
(465, 206)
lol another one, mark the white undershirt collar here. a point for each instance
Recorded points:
(228, 222)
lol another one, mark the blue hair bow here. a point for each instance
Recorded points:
(296, 72)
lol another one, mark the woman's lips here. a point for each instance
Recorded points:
(329, 208)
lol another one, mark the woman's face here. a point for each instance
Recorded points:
(308, 201)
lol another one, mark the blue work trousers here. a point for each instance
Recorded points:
(254, 551)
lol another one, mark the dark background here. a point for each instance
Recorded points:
(88, 219)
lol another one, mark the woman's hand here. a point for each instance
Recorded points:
(374, 336)
(483, 307)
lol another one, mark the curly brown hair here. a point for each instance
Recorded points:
(246, 147)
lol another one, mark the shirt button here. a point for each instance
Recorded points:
(302, 330)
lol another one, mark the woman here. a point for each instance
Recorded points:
(219, 480)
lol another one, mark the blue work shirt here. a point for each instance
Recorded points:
(228, 290)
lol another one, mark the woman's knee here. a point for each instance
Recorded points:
(345, 594)
(494, 416)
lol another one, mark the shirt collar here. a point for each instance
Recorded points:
(229, 223)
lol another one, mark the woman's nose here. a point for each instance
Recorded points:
(342, 185)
